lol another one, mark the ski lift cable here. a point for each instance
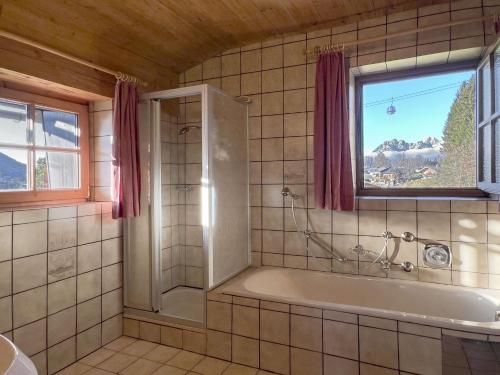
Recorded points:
(413, 94)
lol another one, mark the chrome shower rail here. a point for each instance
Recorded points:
(309, 236)
(307, 233)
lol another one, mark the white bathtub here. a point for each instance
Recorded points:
(459, 308)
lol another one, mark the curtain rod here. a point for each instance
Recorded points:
(340, 46)
(119, 75)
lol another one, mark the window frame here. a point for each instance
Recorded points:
(10, 198)
(395, 76)
(491, 185)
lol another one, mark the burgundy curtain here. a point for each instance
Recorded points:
(334, 188)
(126, 165)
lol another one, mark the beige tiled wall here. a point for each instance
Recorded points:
(280, 81)
(60, 281)
(101, 131)
(182, 251)
(61, 267)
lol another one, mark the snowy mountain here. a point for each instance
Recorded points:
(12, 173)
(428, 148)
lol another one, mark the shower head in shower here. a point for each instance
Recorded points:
(185, 129)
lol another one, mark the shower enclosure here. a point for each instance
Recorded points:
(193, 232)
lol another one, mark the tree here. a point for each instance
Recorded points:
(380, 160)
(457, 168)
(41, 173)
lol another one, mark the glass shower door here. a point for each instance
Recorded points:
(225, 188)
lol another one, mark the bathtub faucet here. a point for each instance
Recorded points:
(383, 258)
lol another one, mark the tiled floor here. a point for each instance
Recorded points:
(128, 356)
(466, 357)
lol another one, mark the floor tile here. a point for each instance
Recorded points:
(120, 343)
(117, 362)
(162, 353)
(141, 367)
(235, 369)
(185, 360)
(139, 348)
(169, 370)
(97, 357)
(211, 366)
(74, 369)
(98, 371)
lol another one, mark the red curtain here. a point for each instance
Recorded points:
(333, 181)
(126, 163)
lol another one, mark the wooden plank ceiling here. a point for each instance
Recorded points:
(156, 39)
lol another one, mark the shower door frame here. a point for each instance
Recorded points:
(155, 183)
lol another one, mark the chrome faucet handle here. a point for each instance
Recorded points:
(407, 266)
(408, 237)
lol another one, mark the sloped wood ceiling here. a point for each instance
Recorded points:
(155, 39)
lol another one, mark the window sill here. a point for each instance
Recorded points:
(47, 204)
(426, 198)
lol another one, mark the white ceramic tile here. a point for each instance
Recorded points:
(5, 218)
(88, 313)
(433, 226)
(31, 338)
(29, 239)
(372, 223)
(89, 285)
(5, 243)
(62, 233)
(29, 306)
(111, 277)
(61, 264)
(88, 341)
(61, 326)
(29, 272)
(6, 316)
(29, 216)
(62, 212)
(379, 347)
(5, 278)
(470, 257)
(61, 355)
(89, 257)
(89, 229)
(61, 295)
(468, 227)
(112, 303)
(420, 355)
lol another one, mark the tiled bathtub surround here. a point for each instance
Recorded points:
(60, 281)
(300, 340)
(280, 81)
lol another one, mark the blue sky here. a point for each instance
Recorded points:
(415, 118)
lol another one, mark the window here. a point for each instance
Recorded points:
(43, 148)
(416, 132)
(488, 121)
